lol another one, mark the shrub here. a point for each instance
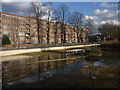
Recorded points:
(5, 40)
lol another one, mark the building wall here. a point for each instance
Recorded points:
(0, 31)
(21, 30)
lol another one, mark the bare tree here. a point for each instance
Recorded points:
(76, 19)
(110, 30)
(12, 34)
(90, 25)
(49, 19)
(62, 16)
(56, 31)
(39, 13)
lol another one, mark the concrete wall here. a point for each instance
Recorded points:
(21, 51)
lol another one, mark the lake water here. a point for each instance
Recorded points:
(62, 68)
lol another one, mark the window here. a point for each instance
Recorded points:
(44, 27)
(8, 17)
(34, 21)
(35, 29)
(58, 25)
(52, 24)
(43, 22)
(4, 22)
(13, 23)
(21, 34)
(6, 33)
(5, 27)
(16, 28)
(4, 16)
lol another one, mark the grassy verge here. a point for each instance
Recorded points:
(111, 44)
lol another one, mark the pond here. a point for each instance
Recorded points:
(90, 67)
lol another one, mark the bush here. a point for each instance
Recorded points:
(5, 40)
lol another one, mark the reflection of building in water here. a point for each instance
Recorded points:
(0, 75)
(15, 70)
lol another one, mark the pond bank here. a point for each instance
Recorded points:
(110, 44)
(22, 51)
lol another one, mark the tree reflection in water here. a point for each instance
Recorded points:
(41, 67)
(18, 69)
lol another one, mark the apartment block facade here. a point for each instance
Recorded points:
(0, 30)
(23, 30)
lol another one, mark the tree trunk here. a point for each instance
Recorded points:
(63, 34)
(48, 32)
(38, 30)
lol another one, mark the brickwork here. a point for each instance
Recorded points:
(23, 30)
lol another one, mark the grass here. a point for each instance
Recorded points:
(113, 44)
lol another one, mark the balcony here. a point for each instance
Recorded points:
(27, 34)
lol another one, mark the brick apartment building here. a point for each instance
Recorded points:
(0, 31)
(23, 30)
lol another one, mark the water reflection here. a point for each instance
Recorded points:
(18, 69)
(0, 76)
(40, 67)
(48, 74)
